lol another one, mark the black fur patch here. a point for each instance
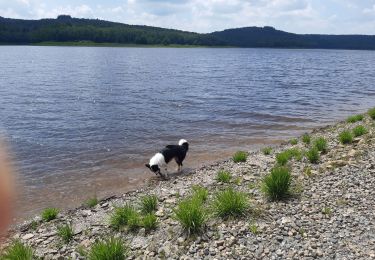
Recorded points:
(153, 168)
(177, 152)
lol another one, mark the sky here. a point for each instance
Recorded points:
(298, 16)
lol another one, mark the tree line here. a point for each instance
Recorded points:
(68, 29)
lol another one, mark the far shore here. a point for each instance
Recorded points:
(97, 44)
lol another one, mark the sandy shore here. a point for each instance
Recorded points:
(330, 214)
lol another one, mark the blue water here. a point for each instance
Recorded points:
(78, 118)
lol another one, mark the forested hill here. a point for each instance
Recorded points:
(68, 29)
(270, 37)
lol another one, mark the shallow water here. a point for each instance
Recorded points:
(83, 121)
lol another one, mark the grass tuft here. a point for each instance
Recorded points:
(200, 193)
(354, 119)
(371, 113)
(149, 204)
(240, 156)
(34, 225)
(65, 232)
(134, 221)
(306, 139)
(294, 141)
(230, 203)
(121, 216)
(18, 251)
(254, 229)
(283, 157)
(276, 185)
(359, 130)
(49, 214)
(110, 249)
(191, 215)
(267, 150)
(321, 144)
(327, 211)
(313, 155)
(345, 137)
(150, 222)
(224, 176)
(92, 202)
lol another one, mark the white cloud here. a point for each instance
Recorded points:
(9, 12)
(76, 11)
(370, 11)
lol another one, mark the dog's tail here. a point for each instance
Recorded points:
(184, 143)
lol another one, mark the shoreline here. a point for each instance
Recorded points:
(176, 46)
(328, 215)
(108, 184)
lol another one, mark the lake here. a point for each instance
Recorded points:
(84, 120)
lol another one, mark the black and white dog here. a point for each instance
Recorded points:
(160, 160)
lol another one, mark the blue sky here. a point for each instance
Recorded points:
(299, 16)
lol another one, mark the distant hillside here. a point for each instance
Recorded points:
(67, 29)
(270, 37)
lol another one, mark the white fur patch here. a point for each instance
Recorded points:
(182, 141)
(157, 159)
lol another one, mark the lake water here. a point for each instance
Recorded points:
(83, 121)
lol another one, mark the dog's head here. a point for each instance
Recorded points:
(154, 168)
(184, 143)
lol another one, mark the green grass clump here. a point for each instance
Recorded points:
(121, 216)
(224, 176)
(65, 232)
(267, 150)
(149, 222)
(134, 221)
(191, 215)
(313, 155)
(240, 156)
(327, 211)
(34, 225)
(230, 203)
(306, 139)
(18, 251)
(353, 119)
(321, 144)
(92, 202)
(359, 130)
(371, 113)
(283, 157)
(254, 229)
(49, 214)
(200, 193)
(295, 153)
(294, 141)
(276, 185)
(345, 137)
(149, 204)
(111, 249)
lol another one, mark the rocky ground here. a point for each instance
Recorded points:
(330, 216)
